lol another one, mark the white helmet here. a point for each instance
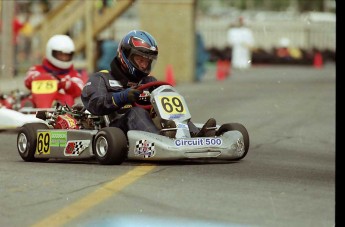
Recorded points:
(60, 43)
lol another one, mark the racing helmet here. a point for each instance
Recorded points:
(137, 42)
(60, 43)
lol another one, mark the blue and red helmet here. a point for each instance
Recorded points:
(140, 43)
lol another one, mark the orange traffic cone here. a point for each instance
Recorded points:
(220, 72)
(318, 61)
(227, 65)
(169, 75)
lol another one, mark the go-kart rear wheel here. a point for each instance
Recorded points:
(27, 140)
(110, 146)
(236, 127)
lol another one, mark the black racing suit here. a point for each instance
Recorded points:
(97, 99)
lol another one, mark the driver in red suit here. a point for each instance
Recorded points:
(58, 63)
(113, 93)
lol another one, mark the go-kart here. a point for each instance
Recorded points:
(73, 133)
(19, 107)
(43, 93)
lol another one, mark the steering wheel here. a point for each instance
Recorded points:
(150, 86)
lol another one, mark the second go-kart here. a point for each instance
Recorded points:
(18, 107)
(73, 133)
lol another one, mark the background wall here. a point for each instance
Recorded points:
(307, 24)
(172, 23)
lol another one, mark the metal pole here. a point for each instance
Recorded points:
(89, 53)
(7, 47)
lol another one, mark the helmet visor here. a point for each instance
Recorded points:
(62, 56)
(142, 61)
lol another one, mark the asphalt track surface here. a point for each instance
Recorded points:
(287, 178)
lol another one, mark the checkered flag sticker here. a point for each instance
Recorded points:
(144, 148)
(76, 147)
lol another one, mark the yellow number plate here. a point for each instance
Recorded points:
(44, 86)
(172, 105)
(43, 143)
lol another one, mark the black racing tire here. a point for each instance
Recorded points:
(27, 140)
(236, 127)
(110, 146)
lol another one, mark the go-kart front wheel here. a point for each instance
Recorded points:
(110, 146)
(27, 141)
(236, 127)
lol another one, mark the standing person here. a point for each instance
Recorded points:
(58, 63)
(202, 57)
(242, 41)
(113, 92)
(106, 54)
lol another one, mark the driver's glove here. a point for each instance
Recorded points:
(129, 95)
(65, 83)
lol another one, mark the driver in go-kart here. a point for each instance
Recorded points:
(107, 93)
(58, 63)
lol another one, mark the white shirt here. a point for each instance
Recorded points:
(241, 39)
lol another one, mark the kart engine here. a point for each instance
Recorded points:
(65, 121)
(65, 117)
